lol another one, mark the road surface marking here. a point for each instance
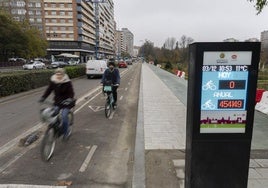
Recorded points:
(126, 89)
(121, 98)
(82, 106)
(96, 108)
(15, 141)
(18, 156)
(88, 158)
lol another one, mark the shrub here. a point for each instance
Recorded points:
(15, 82)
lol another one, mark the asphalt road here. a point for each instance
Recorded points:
(108, 143)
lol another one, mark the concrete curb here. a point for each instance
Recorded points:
(138, 180)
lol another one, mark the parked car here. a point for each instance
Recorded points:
(57, 64)
(122, 64)
(95, 68)
(34, 65)
(129, 62)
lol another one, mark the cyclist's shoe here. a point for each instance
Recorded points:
(114, 105)
(67, 135)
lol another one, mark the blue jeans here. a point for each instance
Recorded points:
(65, 119)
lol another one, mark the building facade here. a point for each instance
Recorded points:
(124, 40)
(21, 10)
(264, 40)
(128, 40)
(69, 25)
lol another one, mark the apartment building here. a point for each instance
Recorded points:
(124, 42)
(128, 40)
(264, 40)
(69, 25)
(106, 28)
(22, 10)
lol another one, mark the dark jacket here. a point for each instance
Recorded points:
(62, 89)
(113, 76)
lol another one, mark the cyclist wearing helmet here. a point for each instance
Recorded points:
(112, 76)
(64, 94)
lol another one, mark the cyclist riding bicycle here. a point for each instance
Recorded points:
(112, 76)
(61, 84)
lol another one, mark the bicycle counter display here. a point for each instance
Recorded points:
(222, 81)
(224, 90)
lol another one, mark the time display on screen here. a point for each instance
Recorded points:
(230, 104)
(232, 84)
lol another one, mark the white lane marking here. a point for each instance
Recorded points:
(96, 108)
(82, 106)
(112, 115)
(88, 158)
(18, 156)
(13, 142)
(121, 98)
(29, 186)
(126, 89)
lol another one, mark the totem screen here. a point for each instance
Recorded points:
(224, 92)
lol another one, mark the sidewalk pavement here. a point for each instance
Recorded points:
(164, 119)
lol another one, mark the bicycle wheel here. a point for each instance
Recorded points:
(108, 109)
(48, 144)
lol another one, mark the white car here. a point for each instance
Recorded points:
(34, 65)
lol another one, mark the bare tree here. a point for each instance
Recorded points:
(170, 43)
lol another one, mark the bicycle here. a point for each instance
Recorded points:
(109, 104)
(52, 117)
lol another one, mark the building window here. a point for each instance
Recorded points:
(55, 28)
(31, 12)
(21, 11)
(39, 20)
(38, 12)
(62, 5)
(62, 13)
(31, 20)
(46, 5)
(63, 35)
(30, 5)
(70, 21)
(20, 4)
(38, 5)
(70, 5)
(71, 36)
(62, 21)
(70, 13)
(53, 5)
(53, 13)
(63, 28)
(54, 20)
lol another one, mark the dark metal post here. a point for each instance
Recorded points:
(220, 112)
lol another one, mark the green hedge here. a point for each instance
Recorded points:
(16, 82)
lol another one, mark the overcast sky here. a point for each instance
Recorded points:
(202, 20)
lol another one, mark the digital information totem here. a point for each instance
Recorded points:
(220, 111)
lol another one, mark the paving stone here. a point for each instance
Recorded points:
(262, 162)
(253, 174)
(263, 172)
(253, 164)
(179, 163)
